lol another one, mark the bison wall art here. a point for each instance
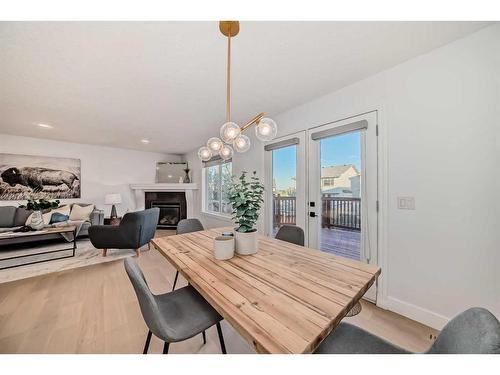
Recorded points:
(38, 176)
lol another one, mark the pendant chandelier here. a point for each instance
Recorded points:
(231, 134)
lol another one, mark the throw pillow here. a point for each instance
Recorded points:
(45, 217)
(79, 213)
(58, 218)
(65, 210)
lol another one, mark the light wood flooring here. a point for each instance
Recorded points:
(94, 310)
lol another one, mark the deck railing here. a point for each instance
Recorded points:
(340, 212)
(285, 210)
(337, 212)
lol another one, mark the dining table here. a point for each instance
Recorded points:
(285, 298)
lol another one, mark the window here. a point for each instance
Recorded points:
(217, 177)
(328, 182)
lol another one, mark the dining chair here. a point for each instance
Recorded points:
(292, 234)
(474, 331)
(187, 226)
(174, 316)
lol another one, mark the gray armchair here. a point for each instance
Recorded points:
(136, 229)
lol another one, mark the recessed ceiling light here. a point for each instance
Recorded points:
(145, 141)
(45, 126)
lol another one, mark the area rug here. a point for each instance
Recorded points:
(85, 255)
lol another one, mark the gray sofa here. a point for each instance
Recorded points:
(14, 217)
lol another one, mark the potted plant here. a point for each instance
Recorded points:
(37, 205)
(246, 198)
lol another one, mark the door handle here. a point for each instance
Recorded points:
(313, 214)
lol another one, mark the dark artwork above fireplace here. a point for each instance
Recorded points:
(172, 207)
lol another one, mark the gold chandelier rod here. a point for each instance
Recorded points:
(228, 88)
(231, 29)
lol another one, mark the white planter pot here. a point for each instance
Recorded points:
(246, 243)
(223, 247)
(37, 220)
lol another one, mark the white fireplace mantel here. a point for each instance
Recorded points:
(141, 189)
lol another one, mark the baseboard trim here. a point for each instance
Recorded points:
(414, 312)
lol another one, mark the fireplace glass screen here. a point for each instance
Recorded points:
(170, 214)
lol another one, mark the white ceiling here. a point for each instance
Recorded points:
(115, 83)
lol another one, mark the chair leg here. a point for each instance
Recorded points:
(138, 252)
(165, 348)
(148, 340)
(104, 252)
(175, 280)
(221, 338)
(204, 337)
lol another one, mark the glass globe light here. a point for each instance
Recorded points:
(241, 143)
(229, 131)
(204, 153)
(214, 144)
(226, 152)
(266, 129)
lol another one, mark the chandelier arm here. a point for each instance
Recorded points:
(252, 121)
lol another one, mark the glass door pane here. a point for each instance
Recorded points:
(340, 184)
(343, 189)
(285, 181)
(284, 186)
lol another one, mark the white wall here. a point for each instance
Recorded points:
(439, 120)
(103, 169)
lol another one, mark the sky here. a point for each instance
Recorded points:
(339, 150)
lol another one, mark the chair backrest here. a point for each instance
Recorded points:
(147, 301)
(145, 221)
(474, 331)
(189, 225)
(292, 234)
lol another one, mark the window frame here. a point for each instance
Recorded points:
(219, 163)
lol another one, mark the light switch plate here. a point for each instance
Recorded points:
(406, 203)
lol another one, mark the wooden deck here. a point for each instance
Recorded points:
(345, 243)
(342, 242)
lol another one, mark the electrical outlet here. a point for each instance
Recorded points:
(406, 203)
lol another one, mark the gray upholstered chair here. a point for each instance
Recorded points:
(174, 316)
(292, 234)
(474, 331)
(136, 229)
(187, 226)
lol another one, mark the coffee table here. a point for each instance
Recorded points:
(10, 238)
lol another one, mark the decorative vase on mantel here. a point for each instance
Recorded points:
(37, 220)
(187, 180)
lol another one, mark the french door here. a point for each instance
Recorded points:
(286, 182)
(342, 189)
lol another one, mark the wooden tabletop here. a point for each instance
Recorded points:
(283, 299)
(41, 232)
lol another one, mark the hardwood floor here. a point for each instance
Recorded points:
(94, 310)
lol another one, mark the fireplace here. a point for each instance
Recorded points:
(170, 214)
(172, 207)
